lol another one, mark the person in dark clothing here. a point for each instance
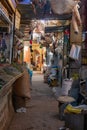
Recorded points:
(31, 74)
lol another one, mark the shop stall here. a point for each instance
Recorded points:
(73, 100)
(6, 41)
(6, 35)
(11, 74)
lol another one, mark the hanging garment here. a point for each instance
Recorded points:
(3, 44)
(75, 52)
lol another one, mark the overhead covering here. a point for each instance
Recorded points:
(43, 11)
(24, 1)
(48, 10)
(55, 28)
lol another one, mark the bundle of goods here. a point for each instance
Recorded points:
(10, 70)
(53, 77)
(46, 75)
(65, 7)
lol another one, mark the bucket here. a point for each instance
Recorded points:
(62, 128)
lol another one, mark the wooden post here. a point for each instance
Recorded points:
(84, 17)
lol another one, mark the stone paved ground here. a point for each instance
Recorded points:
(42, 110)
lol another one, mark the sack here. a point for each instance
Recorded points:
(74, 24)
(67, 6)
(75, 90)
(75, 52)
(77, 14)
(21, 87)
(3, 44)
(76, 19)
(62, 6)
(66, 86)
(83, 72)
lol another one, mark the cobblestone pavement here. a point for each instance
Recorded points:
(42, 109)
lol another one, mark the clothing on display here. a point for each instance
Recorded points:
(4, 47)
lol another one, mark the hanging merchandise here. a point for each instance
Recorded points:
(75, 90)
(20, 46)
(58, 50)
(30, 41)
(31, 49)
(43, 4)
(30, 36)
(17, 43)
(66, 36)
(19, 52)
(3, 46)
(62, 6)
(66, 86)
(75, 52)
(77, 14)
(76, 19)
(83, 72)
(65, 7)
(75, 25)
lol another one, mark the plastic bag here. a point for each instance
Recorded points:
(72, 109)
(66, 86)
(75, 52)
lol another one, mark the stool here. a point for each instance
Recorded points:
(63, 100)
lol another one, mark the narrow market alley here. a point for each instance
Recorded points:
(43, 64)
(42, 109)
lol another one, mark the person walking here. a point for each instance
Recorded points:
(30, 75)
